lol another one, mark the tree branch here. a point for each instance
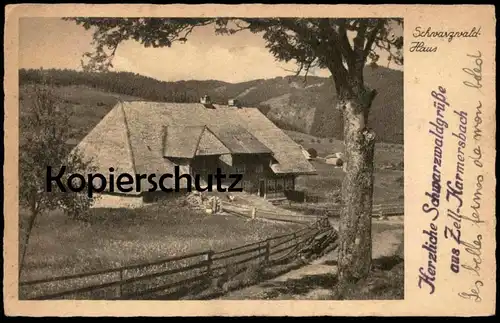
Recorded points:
(337, 36)
(358, 55)
(359, 40)
(343, 40)
(371, 37)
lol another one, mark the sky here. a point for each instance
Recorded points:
(55, 43)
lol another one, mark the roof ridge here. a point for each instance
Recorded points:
(127, 130)
(225, 106)
(199, 139)
(164, 139)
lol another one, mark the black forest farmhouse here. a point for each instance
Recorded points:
(138, 137)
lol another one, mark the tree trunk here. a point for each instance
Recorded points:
(355, 247)
(27, 236)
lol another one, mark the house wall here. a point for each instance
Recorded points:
(254, 168)
(115, 201)
(153, 197)
(276, 185)
(204, 165)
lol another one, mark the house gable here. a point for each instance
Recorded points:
(209, 144)
(180, 141)
(108, 144)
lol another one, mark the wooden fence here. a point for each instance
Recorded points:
(254, 213)
(176, 277)
(378, 210)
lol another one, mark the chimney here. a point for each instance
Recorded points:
(205, 100)
(233, 103)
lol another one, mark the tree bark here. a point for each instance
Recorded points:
(355, 247)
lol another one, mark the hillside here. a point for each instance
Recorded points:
(287, 101)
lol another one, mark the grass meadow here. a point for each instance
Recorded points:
(111, 238)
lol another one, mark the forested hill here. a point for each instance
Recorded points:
(287, 101)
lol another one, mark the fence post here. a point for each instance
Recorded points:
(268, 250)
(208, 259)
(382, 217)
(254, 213)
(381, 212)
(119, 287)
(214, 205)
(295, 242)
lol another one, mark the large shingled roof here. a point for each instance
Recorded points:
(181, 141)
(137, 137)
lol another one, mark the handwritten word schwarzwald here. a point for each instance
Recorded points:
(427, 273)
(422, 47)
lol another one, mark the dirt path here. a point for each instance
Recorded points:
(314, 281)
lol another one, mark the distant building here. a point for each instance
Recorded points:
(233, 103)
(306, 154)
(335, 159)
(138, 137)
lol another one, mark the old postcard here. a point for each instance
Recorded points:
(249, 160)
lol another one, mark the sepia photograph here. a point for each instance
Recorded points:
(211, 158)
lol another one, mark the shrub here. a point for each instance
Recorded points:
(339, 162)
(46, 131)
(312, 140)
(312, 152)
(331, 140)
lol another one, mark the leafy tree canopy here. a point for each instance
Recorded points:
(341, 45)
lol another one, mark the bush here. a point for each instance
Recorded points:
(312, 140)
(319, 141)
(312, 152)
(339, 162)
(331, 140)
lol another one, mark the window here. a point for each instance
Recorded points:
(200, 166)
(259, 168)
(279, 185)
(239, 169)
(271, 185)
(289, 183)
